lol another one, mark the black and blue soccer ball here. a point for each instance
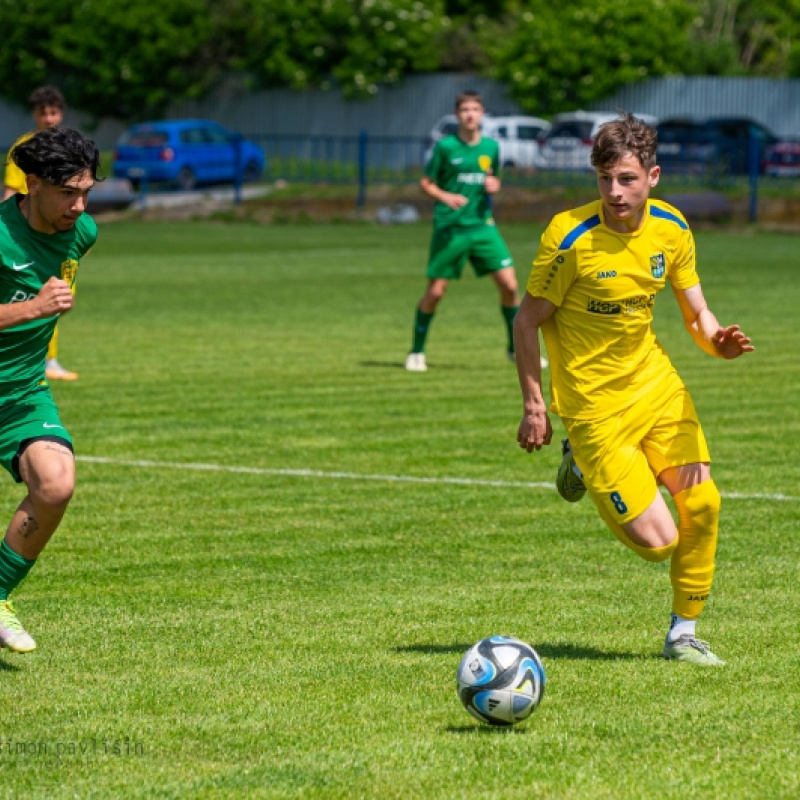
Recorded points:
(501, 680)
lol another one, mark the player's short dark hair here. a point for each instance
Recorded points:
(468, 95)
(627, 134)
(56, 155)
(45, 97)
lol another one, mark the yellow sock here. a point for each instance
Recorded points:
(647, 553)
(692, 567)
(52, 348)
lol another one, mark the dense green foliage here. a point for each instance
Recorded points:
(236, 631)
(563, 57)
(130, 60)
(356, 44)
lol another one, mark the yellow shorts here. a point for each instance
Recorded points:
(621, 457)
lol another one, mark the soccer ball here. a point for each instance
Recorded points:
(500, 680)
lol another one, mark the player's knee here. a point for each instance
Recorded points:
(53, 486)
(657, 553)
(436, 294)
(700, 506)
(55, 492)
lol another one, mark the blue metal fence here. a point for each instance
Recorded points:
(363, 161)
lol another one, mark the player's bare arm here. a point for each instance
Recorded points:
(450, 199)
(535, 429)
(722, 342)
(55, 297)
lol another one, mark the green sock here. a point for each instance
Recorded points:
(13, 569)
(509, 312)
(421, 325)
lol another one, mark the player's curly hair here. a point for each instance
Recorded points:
(46, 96)
(57, 154)
(620, 137)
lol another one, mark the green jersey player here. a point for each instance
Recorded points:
(43, 235)
(462, 173)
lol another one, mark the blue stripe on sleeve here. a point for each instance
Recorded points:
(655, 211)
(578, 231)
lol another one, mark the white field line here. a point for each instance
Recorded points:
(355, 476)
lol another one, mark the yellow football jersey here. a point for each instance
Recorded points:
(15, 177)
(603, 352)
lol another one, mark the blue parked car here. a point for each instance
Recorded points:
(186, 153)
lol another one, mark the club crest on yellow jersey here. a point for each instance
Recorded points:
(658, 265)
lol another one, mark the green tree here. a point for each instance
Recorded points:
(125, 60)
(357, 44)
(130, 60)
(559, 58)
(747, 37)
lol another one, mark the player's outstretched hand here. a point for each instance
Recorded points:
(731, 342)
(534, 431)
(453, 200)
(55, 297)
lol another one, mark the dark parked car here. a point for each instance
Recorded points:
(185, 153)
(782, 160)
(713, 146)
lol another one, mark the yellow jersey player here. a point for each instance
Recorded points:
(47, 107)
(630, 420)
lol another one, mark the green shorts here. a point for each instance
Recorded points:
(28, 419)
(482, 245)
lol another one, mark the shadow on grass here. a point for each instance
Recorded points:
(433, 649)
(401, 365)
(6, 667)
(560, 650)
(578, 652)
(486, 730)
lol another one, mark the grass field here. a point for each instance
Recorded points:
(265, 581)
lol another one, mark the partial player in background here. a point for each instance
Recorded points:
(462, 173)
(630, 420)
(47, 107)
(43, 235)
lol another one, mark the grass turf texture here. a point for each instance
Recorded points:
(212, 634)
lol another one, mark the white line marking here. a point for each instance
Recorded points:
(355, 476)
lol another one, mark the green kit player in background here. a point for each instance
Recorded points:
(460, 176)
(43, 235)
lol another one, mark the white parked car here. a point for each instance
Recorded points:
(518, 137)
(445, 126)
(568, 143)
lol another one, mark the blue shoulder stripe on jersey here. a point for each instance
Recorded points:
(655, 211)
(578, 231)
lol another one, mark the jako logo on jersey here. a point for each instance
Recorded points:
(20, 297)
(609, 274)
(472, 177)
(658, 265)
(603, 307)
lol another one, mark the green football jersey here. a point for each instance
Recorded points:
(28, 259)
(462, 169)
